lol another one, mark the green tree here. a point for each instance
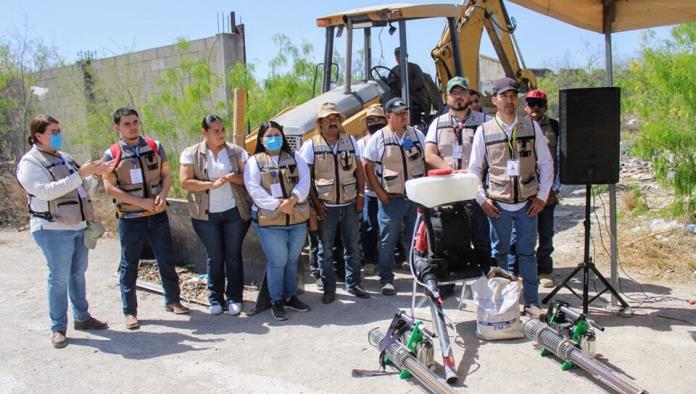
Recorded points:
(663, 96)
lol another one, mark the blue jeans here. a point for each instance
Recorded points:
(347, 219)
(222, 235)
(526, 230)
(282, 246)
(133, 232)
(66, 257)
(370, 231)
(390, 217)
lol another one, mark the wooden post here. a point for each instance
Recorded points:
(239, 111)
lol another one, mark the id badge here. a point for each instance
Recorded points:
(513, 168)
(136, 176)
(457, 151)
(276, 190)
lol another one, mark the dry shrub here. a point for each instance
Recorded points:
(104, 209)
(13, 204)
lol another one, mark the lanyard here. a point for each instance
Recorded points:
(514, 137)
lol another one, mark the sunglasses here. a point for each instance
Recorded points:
(536, 103)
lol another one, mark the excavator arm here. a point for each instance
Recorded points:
(480, 14)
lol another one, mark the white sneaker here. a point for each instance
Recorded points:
(388, 289)
(216, 309)
(234, 308)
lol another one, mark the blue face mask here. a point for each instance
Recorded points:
(56, 141)
(273, 143)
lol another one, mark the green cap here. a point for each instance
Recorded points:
(457, 81)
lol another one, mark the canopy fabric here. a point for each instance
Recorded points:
(628, 14)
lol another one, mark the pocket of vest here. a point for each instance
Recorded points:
(68, 211)
(301, 213)
(499, 186)
(325, 189)
(529, 187)
(392, 182)
(349, 189)
(271, 217)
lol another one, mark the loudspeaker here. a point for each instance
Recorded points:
(590, 120)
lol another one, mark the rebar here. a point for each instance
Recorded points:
(566, 350)
(402, 359)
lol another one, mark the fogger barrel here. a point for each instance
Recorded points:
(540, 332)
(402, 359)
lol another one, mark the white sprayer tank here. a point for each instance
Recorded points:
(431, 191)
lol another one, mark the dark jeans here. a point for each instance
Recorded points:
(370, 234)
(545, 247)
(222, 235)
(346, 221)
(133, 232)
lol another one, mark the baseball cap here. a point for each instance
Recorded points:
(457, 81)
(502, 85)
(375, 110)
(327, 109)
(537, 94)
(397, 104)
(93, 232)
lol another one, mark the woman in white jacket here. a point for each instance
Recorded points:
(60, 210)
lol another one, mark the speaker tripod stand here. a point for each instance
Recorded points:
(586, 266)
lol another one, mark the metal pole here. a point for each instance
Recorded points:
(328, 54)
(403, 62)
(367, 51)
(349, 57)
(456, 53)
(613, 248)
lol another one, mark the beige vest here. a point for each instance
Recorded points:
(149, 163)
(287, 175)
(448, 141)
(500, 186)
(69, 208)
(334, 174)
(399, 164)
(199, 202)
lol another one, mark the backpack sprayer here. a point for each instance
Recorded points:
(570, 336)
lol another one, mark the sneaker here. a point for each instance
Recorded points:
(370, 269)
(235, 308)
(388, 289)
(91, 324)
(177, 308)
(278, 311)
(132, 322)
(320, 284)
(295, 304)
(359, 292)
(545, 280)
(216, 309)
(405, 266)
(58, 340)
(329, 296)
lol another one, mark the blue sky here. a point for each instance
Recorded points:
(111, 28)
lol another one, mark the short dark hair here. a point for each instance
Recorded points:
(124, 111)
(209, 120)
(38, 125)
(263, 129)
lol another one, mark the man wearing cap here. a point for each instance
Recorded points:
(535, 107)
(337, 196)
(514, 156)
(393, 155)
(417, 92)
(374, 120)
(448, 145)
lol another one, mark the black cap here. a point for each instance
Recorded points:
(502, 85)
(397, 104)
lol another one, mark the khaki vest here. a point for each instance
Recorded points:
(334, 174)
(398, 164)
(500, 186)
(149, 163)
(447, 139)
(550, 128)
(69, 208)
(199, 202)
(287, 175)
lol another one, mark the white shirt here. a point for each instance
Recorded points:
(361, 145)
(252, 181)
(474, 118)
(37, 181)
(544, 163)
(375, 146)
(221, 199)
(307, 154)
